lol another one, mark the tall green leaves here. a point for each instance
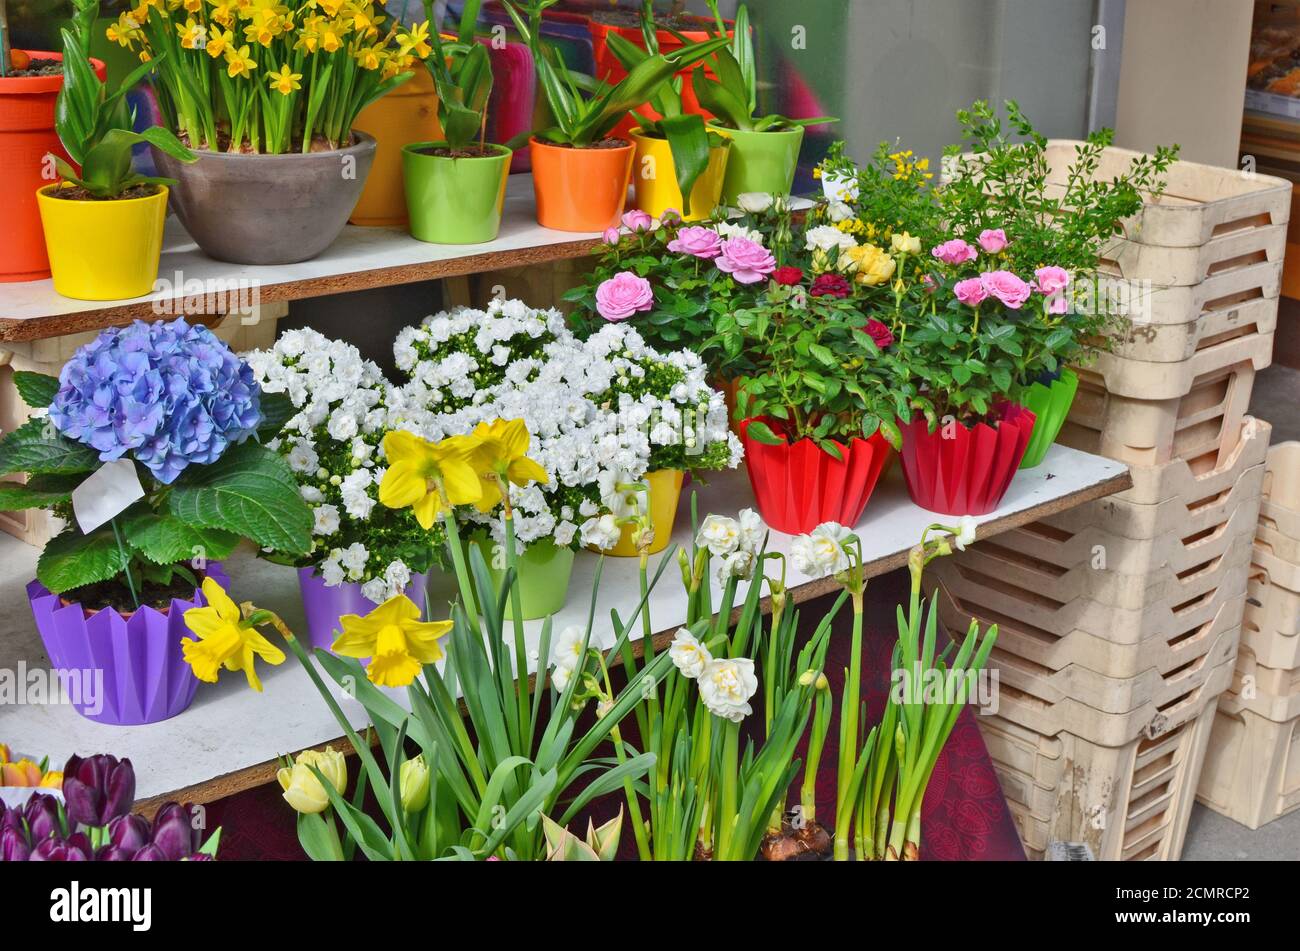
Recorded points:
(462, 74)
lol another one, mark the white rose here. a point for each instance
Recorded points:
(838, 211)
(688, 654)
(828, 238)
(822, 552)
(726, 686)
(719, 534)
(726, 229)
(754, 203)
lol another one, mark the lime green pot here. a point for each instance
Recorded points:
(760, 161)
(544, 571)
(1050, 404)
(454, 200)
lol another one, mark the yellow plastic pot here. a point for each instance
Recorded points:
(103, 250)
(654, 177)
(407, 114)
(665, 493)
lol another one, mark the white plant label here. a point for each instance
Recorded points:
(113, 489)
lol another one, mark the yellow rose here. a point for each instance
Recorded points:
(905, 244)
(414, 784)
(868, 264)
(302, 789)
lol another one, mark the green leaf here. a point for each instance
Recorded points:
(36, 389)
(40, 492)
(688, 140)
(277, 409)
(250, 491)
(761, 432)
(38, 448)
(71, 559)
(165, 539)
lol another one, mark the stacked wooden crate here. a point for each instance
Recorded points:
(1119, 621)
(1252, 772)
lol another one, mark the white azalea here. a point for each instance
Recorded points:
(688, 654)
(726, 686)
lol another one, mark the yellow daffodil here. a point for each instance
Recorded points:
(500, 457)
(303, 789)
(284, 82)
(331, 37)
(223, 13)
(428, 477)
(125, 31)
(239, 63)
(192, 6)
(397, 642)
(219, 42)
(225, 639)
(369, 57)
(329, 7)
(192, 35)
(362, 17)
(416, 41)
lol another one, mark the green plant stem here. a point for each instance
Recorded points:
(849, 734)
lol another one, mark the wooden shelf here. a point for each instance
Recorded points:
(360, 259)
(230, 738)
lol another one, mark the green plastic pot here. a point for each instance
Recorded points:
(760, 161)
(1051, 404)
(544, 571)
(454, 200)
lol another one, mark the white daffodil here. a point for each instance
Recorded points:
(719, 534)
(688, 654)
(726, 686)
(821, 552)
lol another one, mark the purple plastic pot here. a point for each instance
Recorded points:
(144, 675)
(324, 605)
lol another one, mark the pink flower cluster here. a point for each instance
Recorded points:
(748, 262)
(623, 295)
(1013, 292)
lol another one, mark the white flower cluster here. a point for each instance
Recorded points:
(601, 413)
(726, 684)
(823, 551)
(332, 445)
(736, 542)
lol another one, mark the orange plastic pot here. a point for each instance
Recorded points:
(26, 136)
(407, 114)
(580, 189)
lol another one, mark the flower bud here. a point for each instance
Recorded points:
(414, 784)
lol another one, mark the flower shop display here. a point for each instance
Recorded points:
(93, 822)
(764, 149)
(580, 173)
(147, 445)
(361, 553)
(456, 186)
(268, 94)
(103, 222)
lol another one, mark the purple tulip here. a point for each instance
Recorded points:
(150, 853)
(198, 857)
(13, 819)
(129, 832)
(98, 789)
(75, 848)
(13, 845)
(174, 831)
(42, 816)
(114, 853)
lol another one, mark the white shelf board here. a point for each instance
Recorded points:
(231, 729)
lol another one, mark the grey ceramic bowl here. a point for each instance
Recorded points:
(268, 209)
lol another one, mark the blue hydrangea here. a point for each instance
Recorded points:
(169, 394)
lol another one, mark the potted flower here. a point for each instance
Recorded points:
(672, 139)
(1000, 196)
(456, 187)
(158, 485)
(267, 95)
(361, 553)
(764, 149)
(103, 223)
(580, 172)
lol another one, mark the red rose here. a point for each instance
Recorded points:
(881, 335)
(788, 276)
(830, 285)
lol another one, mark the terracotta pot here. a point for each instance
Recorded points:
(26, 136)
(799, 485)
(961, 470)
(581, 190)
(268, 209)
(407, 114)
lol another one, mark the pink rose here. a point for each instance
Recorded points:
(1006, 287)
(993, 240)
(1052, 280)
(1057, 305)
(671, 216)
(637, 220)
(698, 242)
(970, 292)
(748, 262)
(955, 251)
(623, 295)
(613, 236)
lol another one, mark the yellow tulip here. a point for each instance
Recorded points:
(52, 780)
(225, 639)
(302, 789)
(22, 773)
(414, 784)
(397, 642)
(428, 477)
(500, 457)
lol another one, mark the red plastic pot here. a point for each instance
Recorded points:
(960, 470)
(799, 485)
(26, 136)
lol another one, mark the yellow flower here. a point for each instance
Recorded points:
(397, 642)
(331, 37)
(52, 780)
(239, 63)
(331, 7)
(22, 773)
(428, 477)
(369, 57)
(220, 41)
(225, 639)
(302, 789)
(192, 6)
(284, 82)
(413, 783)
(905, 244)
(192, 34)
(501, 456)
(223, 13)
(363, 17)
(868, 264)
(416, 41)
(125, 31)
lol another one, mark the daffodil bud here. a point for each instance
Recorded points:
(806, 678)
(822, 682)
(414, 784)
